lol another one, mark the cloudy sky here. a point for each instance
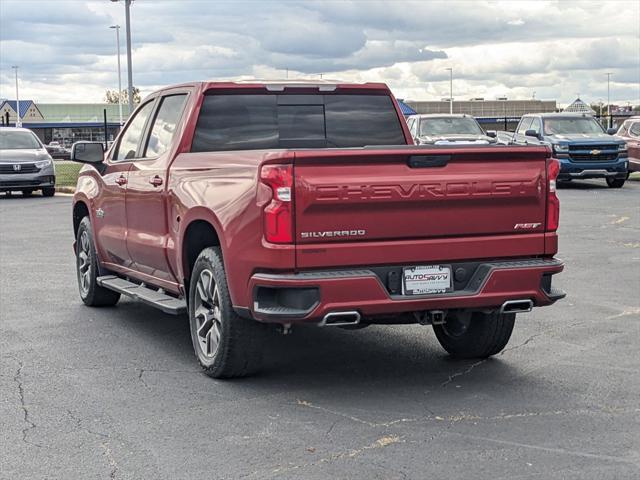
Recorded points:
(551, 49)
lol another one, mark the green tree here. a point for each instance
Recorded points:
(113, 96)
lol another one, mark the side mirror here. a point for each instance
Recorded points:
(612, 131)
(531, 133)
(492, 133)
(87, 152)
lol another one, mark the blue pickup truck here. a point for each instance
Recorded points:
(583, 147)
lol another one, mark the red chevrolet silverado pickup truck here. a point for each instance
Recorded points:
(245, 204)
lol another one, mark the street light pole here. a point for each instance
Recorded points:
(117, 29)
(608, 100)
(18, 121)
(127, 4)
(450, 89)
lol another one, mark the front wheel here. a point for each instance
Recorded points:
(615, 182)
(475, 334)
(48, 191)
(91, 293)
(225, 344)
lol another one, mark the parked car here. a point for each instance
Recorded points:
(25, 164)
(583, 147)
(440, 129)
(56, 150)
(629, 131)
(245, 204)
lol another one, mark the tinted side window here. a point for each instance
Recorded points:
(164, 125)
(131, 137)
(359, 120)
(634, 129)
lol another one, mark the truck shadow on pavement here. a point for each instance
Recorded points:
(316, 359)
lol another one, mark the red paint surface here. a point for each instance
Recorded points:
(465, 210)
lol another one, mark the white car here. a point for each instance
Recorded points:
(25, 164)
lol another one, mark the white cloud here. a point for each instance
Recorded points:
(557, 49)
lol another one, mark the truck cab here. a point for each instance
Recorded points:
(583, 147)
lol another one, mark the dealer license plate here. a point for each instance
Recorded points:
(426, 279)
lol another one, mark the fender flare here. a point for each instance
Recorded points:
(195, 214)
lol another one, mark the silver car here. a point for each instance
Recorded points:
(448, 129)
(25, 164)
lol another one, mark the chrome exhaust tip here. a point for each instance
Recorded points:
(517, 306)
(340, 319)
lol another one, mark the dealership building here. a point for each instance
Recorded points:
(498, 114)
(64, 122)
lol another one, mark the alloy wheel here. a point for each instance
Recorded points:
(84, 262)
(208, 315)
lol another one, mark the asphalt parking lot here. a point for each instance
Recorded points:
(116, 393)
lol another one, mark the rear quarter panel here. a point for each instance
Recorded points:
(223, 189)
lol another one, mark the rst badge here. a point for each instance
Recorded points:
(526, 226)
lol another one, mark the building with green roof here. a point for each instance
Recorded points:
(65, 122)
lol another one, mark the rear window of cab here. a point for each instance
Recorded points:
(271, 121)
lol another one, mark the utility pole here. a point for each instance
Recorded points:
(117, 29)
(608, 100)
(451, 90)
(127, 16)
(18, 120)
(127, 5)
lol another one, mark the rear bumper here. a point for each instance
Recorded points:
(309, 296)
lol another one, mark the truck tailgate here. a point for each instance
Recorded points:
(418, 200)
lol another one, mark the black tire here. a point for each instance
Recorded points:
(48, 191)
(475, 335)
(615, 182)
(27, 192)
(91, 293)
(240, 341)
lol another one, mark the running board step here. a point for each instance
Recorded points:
(155, 298)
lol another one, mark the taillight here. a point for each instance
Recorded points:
(278, 215)
(553, 202)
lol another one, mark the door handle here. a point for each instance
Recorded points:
(156, 180)
(121, 180)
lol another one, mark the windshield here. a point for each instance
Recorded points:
(449, 126)
(16, 140)
(568, 126)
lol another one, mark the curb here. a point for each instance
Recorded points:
(66, 190)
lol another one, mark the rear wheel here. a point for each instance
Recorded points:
(48, 191)
(615, 182)
(91, 293)
(225, 344)
(475, 334)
